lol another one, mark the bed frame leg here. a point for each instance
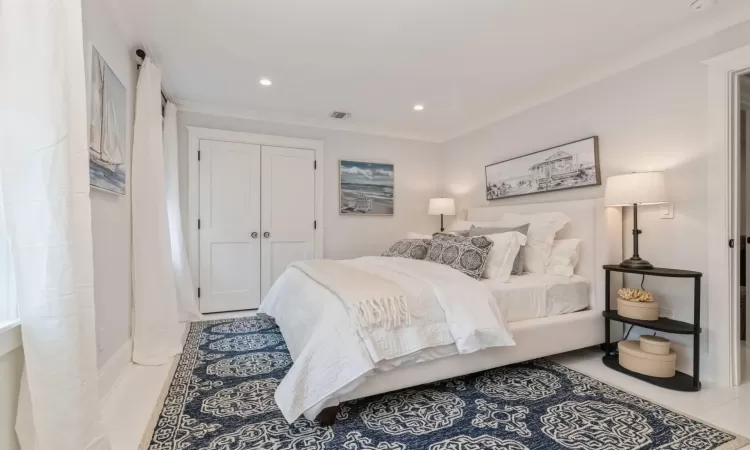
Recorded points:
(327, 416)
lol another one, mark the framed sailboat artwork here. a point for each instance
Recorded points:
(107, 128)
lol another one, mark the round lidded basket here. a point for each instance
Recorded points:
(655, 345)
(638, 310)
(637, 304)
(631, 357)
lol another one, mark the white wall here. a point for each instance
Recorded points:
(651, 117)
(416, 167)
(110, 213)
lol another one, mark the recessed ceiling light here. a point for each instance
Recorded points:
(265, 82)
(418, 107)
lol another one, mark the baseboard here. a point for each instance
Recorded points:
(113, 369)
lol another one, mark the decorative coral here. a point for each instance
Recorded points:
(635, 295)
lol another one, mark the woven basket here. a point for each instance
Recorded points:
(655, 345)
(637, 310)
(636, 360)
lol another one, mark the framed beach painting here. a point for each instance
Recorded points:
(567, 166)
(107, 128)
(365, 188)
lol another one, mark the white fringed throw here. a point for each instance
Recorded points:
(373, 300)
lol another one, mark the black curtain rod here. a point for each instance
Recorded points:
(142, 55)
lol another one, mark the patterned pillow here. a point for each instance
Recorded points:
(409, 248)
(465, 254)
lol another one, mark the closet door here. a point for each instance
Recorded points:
(229, 226)
(288, 210)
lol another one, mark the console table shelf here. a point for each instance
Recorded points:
(681, 381)
(656, 271)
(663, 324)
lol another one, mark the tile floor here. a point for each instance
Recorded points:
(130, 406)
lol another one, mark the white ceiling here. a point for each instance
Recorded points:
(468, 61)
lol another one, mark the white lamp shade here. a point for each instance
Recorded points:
(646, 188)
(444, 206)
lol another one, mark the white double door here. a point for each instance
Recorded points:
(257, 215)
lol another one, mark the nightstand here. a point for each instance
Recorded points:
(681, 381)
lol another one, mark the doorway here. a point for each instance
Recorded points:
(743, 197)
(257, 203)
(257, 214)
(727, 353)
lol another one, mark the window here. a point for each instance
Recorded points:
(8, 306)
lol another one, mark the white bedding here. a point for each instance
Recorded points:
(330, 359)
(532, 296)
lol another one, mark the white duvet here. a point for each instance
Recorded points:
(451, 313)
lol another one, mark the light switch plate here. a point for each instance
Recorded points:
(666, 211)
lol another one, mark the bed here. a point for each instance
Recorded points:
(545, 314)
(535, 296)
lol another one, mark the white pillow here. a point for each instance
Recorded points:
(564, 257)
(542, 230)
(503, 253)
(415, 235)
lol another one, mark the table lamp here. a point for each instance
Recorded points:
(646, 188)
(442, 207)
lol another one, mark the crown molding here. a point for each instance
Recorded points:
(216, 110)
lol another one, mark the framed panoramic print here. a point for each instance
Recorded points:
(107, 128)
(365, 188)
(566, 166)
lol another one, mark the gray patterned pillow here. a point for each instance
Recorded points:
(468, 255)
(484, 231)
(409, 248)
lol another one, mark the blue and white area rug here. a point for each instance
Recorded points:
(222, 398)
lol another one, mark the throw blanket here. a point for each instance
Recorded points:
(370, 299)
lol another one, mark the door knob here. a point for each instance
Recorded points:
(266, 234)
(254, 235)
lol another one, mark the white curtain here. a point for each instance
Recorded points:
(157, 333)
(44, 190)
(187, 301)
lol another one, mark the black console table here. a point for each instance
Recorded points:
(681, 381)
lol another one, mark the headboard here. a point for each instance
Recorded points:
(598, 227)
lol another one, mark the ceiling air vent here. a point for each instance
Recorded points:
(700, 5)
(340, 115)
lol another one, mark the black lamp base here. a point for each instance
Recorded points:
(636, 263)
